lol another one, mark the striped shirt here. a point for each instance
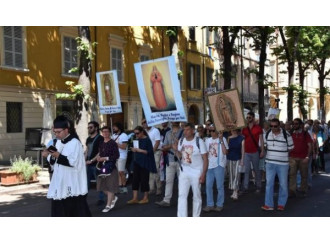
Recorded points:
(278, 149)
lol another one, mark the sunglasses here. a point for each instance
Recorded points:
(273, 126)
(137, 133)
(212, 130)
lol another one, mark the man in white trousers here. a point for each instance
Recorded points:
(173, 166)
(194, 164)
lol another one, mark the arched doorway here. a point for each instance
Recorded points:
(193, 114)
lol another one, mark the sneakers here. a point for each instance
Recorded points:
(217, 209)
(106, 209)
(267, 208)
(207, 209)
(113, 203)
(144, 201)
(133, 201)
(280, 208)
(162, 204)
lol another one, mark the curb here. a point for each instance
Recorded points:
(21, 189)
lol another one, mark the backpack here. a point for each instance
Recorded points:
(197, 142)
(284, 134)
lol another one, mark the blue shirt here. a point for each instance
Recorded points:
(235, 148)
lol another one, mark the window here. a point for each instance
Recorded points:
(117, 45)
(144, 58)
(70, 55)
(194, 76)
(209, 77)
(66, 108)
(208, 34)
(69, 49)
(13, 54)
(14, 117)
(192, 33)
(116, 62)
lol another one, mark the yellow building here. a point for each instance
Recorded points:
(35, 64)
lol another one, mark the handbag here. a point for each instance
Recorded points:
(104, 168)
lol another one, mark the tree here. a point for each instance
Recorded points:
(321, 47)
(262, 37)
(287, 52)
(85, 72)
(305, 59)
(81, 90)
(229, 37)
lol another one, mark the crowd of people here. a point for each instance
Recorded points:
(290, 152)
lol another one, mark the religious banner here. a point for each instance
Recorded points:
(160, 91)
(226, 110)
(108, 92)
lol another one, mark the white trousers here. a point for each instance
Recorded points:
(154, 178)
(172, 169)
(189, 177)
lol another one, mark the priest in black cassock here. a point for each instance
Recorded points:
(68, 188)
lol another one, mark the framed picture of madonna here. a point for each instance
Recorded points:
(226, 110)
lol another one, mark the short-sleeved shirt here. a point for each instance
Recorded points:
(278, 147)
(191, 154)
(249, 144)
(121, 139)
(154, 135)
(215, 155)
(300, 141)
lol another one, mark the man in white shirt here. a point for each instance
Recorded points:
(194, 166)
(154, 136)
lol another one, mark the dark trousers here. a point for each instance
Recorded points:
(140, 178)
(71, 207)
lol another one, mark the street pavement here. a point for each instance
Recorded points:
(31, 201)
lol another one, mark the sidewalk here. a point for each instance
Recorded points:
(43, 177)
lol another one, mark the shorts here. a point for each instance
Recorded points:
(121, 164)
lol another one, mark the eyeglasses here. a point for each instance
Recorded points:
(58, 132)
(137, 133)
(273, 126)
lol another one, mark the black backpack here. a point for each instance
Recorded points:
(284, 134)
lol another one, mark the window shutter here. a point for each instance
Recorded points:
(198, 77)
(191, 76)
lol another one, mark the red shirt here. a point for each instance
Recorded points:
(249, 144)
(300, 142)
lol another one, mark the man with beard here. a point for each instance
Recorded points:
(92, 144)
